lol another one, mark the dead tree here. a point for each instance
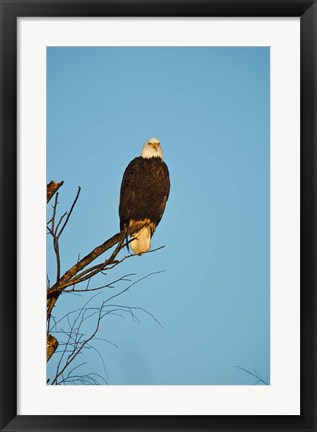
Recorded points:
(82, 271)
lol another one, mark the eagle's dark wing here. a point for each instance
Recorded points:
(128, 193)
(163, 188)
(144, 191)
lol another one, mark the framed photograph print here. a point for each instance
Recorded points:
(158, 223)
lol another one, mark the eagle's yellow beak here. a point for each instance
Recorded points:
(155, 145)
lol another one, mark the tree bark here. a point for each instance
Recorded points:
(52, 188)
(51, 346)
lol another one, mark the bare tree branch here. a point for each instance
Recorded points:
(96, 252)
(55, 239)
(72, 340)
(75, 354)
(108, 285)
(60, 285)
(255, 374)
(58, 234)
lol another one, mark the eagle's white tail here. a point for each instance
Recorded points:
(141, 241)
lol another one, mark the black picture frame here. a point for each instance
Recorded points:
(10, 11)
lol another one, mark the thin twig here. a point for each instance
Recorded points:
(255, 374)
(109, 285)
(69, 213)
(71, 358)
(131, 285)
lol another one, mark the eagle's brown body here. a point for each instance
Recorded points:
(144, 191)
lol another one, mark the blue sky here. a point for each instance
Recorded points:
(210, 109)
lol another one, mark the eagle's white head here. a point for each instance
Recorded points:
(152, 148)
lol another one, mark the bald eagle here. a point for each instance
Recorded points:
(144, 191)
